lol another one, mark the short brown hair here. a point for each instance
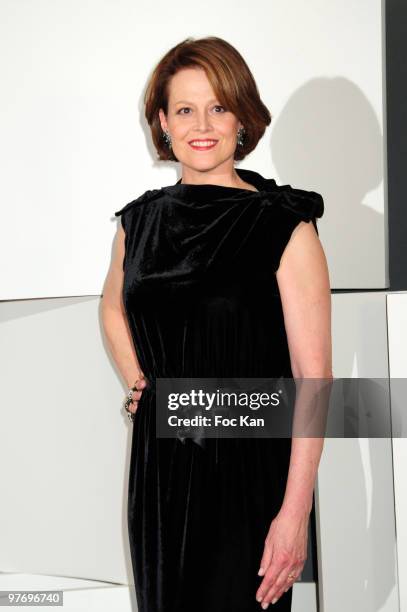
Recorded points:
(230, 78)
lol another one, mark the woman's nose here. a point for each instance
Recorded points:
(203, 121)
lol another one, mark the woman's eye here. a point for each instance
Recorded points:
(218, 110)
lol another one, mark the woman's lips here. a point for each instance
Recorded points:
(203, 147)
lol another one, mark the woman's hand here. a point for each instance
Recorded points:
(140, 384)
(285, 552)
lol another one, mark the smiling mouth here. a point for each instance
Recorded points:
(202, 145)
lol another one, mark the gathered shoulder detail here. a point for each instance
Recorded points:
(307, 205)
(290, 206)
(147, 196)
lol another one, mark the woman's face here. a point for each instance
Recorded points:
(203, 133)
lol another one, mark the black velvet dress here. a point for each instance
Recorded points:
(202, 300)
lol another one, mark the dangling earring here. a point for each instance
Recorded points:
(167, 139)
(240, 134)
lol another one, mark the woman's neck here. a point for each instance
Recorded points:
(221, 178)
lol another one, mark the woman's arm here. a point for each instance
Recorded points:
(304, 287)
(114, 319)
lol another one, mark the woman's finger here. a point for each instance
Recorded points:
(266, 558)
(283, 582)
(272, 582)
(140, 385)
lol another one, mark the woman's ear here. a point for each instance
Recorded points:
(163, 120)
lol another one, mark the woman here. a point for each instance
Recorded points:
(221, 274)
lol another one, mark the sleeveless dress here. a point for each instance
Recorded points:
(202, 300)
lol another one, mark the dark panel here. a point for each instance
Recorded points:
(396, 101)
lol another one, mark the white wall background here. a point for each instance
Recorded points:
(74, 145)
(355, 508)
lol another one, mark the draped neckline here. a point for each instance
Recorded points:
(211, 192)
(305, 203)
